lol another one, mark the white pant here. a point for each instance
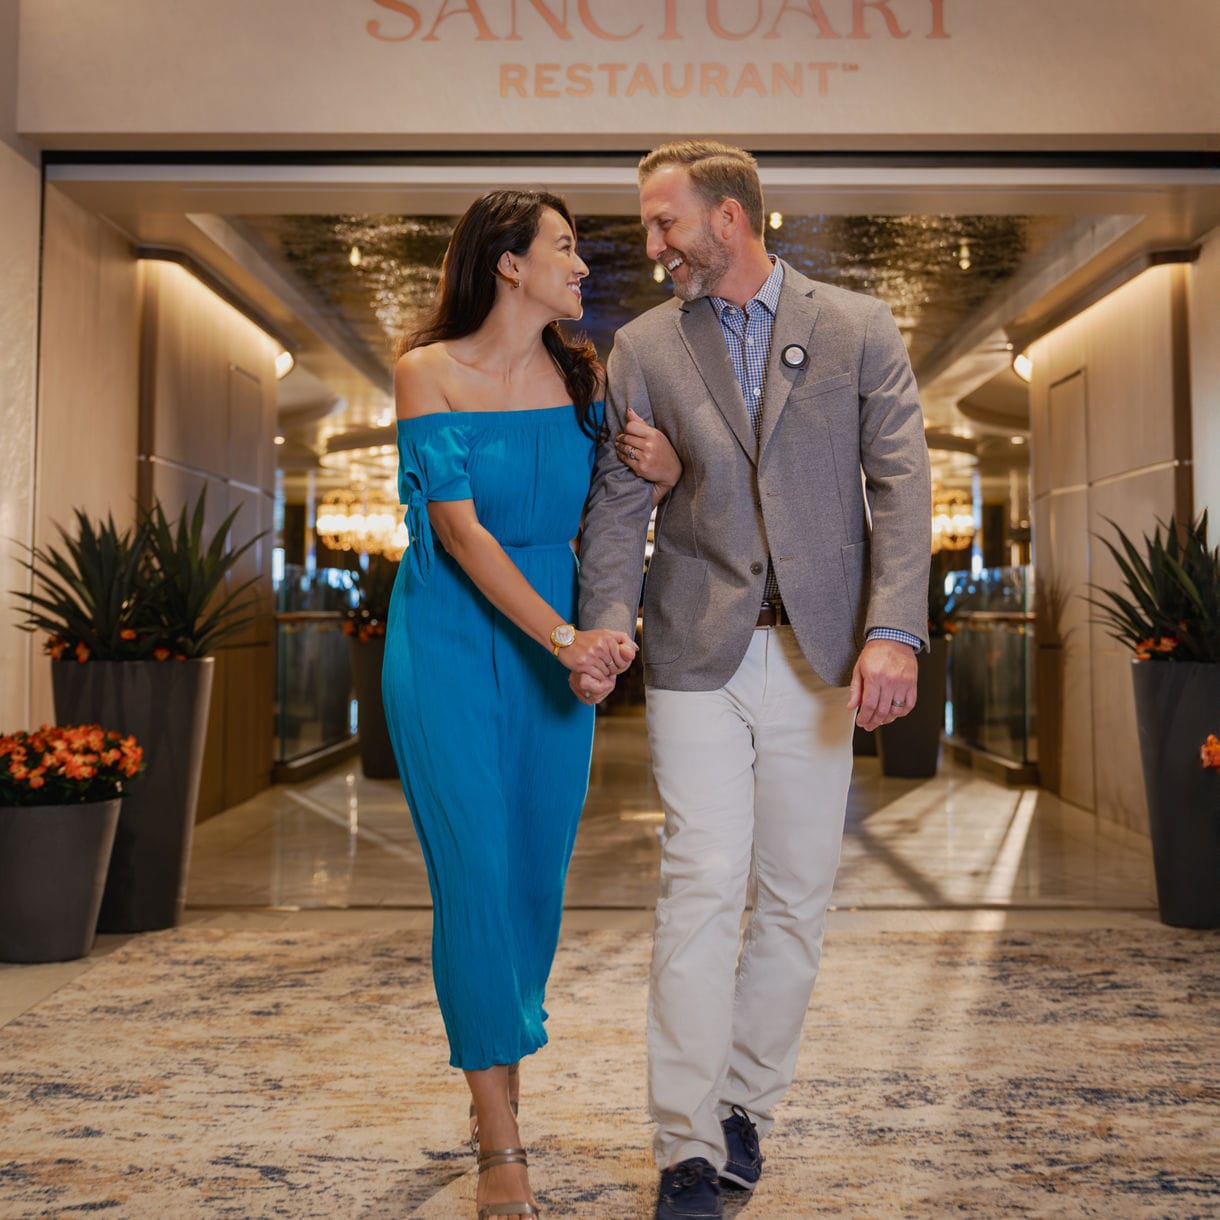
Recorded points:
(753, 779)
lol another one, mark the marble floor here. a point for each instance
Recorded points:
(954, 842)
(956, 852)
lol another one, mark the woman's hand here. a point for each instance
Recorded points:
(600, 653)
(646, 451)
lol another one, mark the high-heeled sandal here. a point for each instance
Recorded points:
(504, 1156)
(513, 1069)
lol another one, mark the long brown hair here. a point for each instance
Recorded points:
(497, 222)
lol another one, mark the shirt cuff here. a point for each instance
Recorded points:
(892, 633)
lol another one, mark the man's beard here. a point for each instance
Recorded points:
(706, 265)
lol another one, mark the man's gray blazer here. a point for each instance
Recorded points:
(797, 491)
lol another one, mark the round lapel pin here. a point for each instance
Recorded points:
(794, 356)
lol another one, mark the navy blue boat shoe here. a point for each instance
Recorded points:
(743, 1167)
(689, 1191)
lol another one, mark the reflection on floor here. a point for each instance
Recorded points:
(955, 841)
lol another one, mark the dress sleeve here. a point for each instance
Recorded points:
(432, 459)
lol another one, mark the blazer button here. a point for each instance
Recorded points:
(756, 567)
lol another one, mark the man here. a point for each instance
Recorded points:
(765, 582)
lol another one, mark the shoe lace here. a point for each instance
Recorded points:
(747, 1132)
(691, 1173)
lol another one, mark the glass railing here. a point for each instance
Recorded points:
(991, 663)
(314, 703)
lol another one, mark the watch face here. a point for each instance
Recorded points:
(563, 635)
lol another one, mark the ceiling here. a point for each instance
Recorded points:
(280, 237)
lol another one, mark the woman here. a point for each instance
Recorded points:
(499, 416)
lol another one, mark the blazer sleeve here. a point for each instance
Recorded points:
(897, 479)
(618, 508)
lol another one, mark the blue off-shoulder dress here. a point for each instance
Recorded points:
(493, 747)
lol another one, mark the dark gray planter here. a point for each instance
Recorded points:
(165, 705)
(910, 746)
(376, 753)
(53, 862)
(1177, 703)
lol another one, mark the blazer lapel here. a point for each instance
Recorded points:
(794, 324)
(700, 330)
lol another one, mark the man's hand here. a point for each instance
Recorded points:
(883, 683)
(590, 690)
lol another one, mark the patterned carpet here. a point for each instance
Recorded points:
(248, 1074)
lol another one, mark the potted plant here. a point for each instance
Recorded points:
(365, 626)
(130, 616)
(1167, 611)
(909, 747)
(60, 793)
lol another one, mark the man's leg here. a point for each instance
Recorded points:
(802, 774)
(703, 758)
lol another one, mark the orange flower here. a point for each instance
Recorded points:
(1209, 752)
(1167, 643)
(127, 634)
(82, 653)
(55, 647)
(36, 780)
(161, 654)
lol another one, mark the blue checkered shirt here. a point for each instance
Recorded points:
(747, 335)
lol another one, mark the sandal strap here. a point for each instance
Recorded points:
(508, 1209)
(502, 1156)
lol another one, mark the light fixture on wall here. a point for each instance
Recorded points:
(368, 521)
(1023, 366)
(354, 256)
(658, 273)
(285, 362)
(952, 520)
(963, 255)
(776, 220)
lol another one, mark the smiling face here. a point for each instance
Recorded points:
(681, 233)
(550, 271)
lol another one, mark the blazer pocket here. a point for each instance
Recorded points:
(674, 597)
(827, 385)
(855, 577)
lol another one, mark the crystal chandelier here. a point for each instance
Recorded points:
(367, 520)
(952, 521)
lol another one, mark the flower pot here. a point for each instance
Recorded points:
(1177, 703)
(910, 746)
(376, 753)
(165, 705)
(53, 862)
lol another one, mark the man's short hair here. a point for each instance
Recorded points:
(717, 172)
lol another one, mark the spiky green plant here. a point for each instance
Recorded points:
(87, 594)
(153, 591)
(186, 606)
(1169, 606)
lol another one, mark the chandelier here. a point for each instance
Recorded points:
(952, 521)
(367, 520)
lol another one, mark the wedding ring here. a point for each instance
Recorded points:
(631, 452)
(898, 703)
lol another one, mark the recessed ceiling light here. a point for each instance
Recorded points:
(284, 364)
(279, 440)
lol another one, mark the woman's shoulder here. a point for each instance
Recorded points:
(420, 376)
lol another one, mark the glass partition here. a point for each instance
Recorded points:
(991, 683)
(314, 702)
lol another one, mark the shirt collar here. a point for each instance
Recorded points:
(767, 296)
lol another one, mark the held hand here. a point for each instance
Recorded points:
(646, 451)
(589, 690)
(596, 653)
(883, 683)
(625, 648)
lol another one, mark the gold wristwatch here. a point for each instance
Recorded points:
(562, 636)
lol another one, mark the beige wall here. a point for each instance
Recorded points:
(208, 422)
(152, 386)
(1111, 439)
(88, 397)
(20, 206)
(1205, 380)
